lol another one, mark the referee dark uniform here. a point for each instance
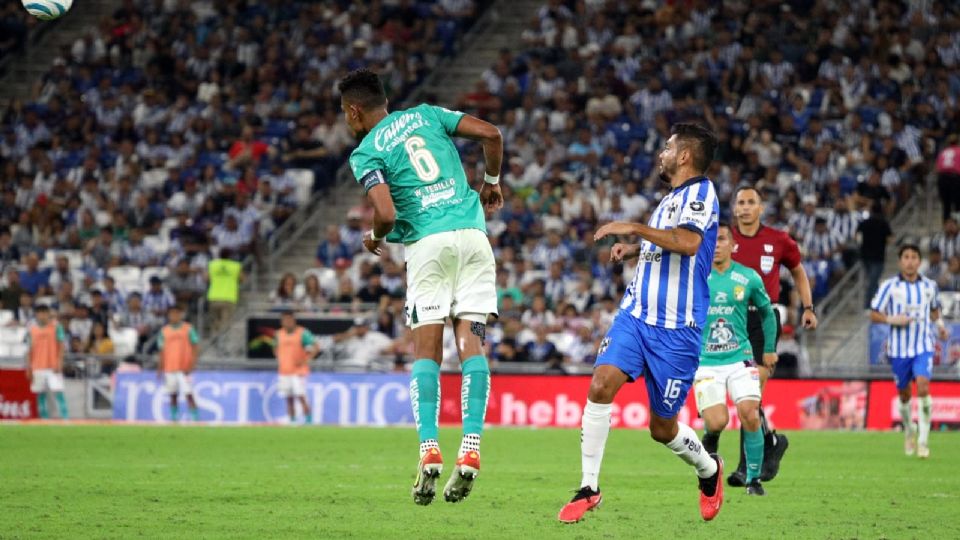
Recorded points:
(765, 249)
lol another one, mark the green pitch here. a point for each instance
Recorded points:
(183, 482)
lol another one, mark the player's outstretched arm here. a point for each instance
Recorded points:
(488, 135)
(809, 318)
(677, 240)
(892, 320)
(624, 252)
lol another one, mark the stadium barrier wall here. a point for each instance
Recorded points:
(371, 399)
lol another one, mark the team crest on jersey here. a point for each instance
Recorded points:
(738, 293)
(768, 248)
(766, 263)
(604, 343)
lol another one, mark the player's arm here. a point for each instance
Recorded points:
(194, 347)
(309, 343)
(792, 260)
(29, 368)
(489, 136)
(879, 306)
(681, 239)
(61, 347)
(384, 217)
(160, 362)
(942, 331)
(768, 319)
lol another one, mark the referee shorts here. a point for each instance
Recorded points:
(755, 332)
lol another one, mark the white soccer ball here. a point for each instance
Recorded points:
(47, 10)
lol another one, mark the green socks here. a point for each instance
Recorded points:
(753, 448)
(474, 392)
(61, 405)
(425, 397)
(42, 406)
(174, 413)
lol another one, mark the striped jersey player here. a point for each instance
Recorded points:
(909, 303)
(656, 334)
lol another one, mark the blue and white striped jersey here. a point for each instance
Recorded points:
(915, 299)
(670, 290)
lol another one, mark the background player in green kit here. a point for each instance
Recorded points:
(726, 360)
(411, 172)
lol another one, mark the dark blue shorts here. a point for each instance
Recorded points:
(907, 369)
(667, 359)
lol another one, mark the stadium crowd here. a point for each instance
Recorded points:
(834, 127)
(178, 133)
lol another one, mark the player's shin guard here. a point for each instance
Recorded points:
(753, 447)
(595, 427)
(923, 423)
(711, 441)
(42, 406)
(474, 393)
(61, 405)
(906, 417)
(686, 445)
(425, 397)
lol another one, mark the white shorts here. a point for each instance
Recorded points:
(292, 386)
(451, 274)
(46, 379)
(177, 382)
(712, 383)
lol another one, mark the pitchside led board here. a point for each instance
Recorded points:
(371, 399)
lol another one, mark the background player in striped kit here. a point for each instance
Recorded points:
(656, 334)
(908, 303)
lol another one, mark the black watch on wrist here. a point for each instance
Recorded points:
(810, 308)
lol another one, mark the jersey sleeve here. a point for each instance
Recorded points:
(61, 334)
(935, 301)
(194, 337)
(759, 298)
(307, 339)
(367, 168)
(791, 252)
(448, 119)
(698, 208)
(160, 340)
(881, 300)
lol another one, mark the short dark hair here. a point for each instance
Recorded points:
(706, 142)
(748, 187)
(723, 223)
(908, 247)
(364, 88)
(42, 308)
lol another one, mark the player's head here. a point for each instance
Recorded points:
(43, 314)
(688, 152)
(287, 320)
(748, 205)
(361, 93)
(909, 255)
(175, 314)
(725, 244)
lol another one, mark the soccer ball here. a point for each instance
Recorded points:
(47, 10)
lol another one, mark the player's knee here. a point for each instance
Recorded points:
(602, 389)
(662, 430)
(923, 387)
(716, 422)
(749, 413)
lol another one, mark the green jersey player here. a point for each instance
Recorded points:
(726, 359)
(411, 172)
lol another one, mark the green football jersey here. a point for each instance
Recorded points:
(412, 152)
(725, 339)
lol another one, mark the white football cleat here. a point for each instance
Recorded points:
(461, 481)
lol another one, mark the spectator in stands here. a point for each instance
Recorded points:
(948, 175)
(873, 191)
(115, 300)
(158, 298)
(35, 280)
(185, 284)
(933, 266)
(803, 223)
(24, 313)
(332, 249)
(230, 236)
(288, 295)
(11, 290)
(9, 254)
(62, 273)
(313, 296)
(541, 349)
(224, 276)
(361, 346)
(584, 348)
(302, 151)
(136, 253)
(134, 316)
(538, 315)
(351, 233)
(950, 280)
(247, 150)
(373, 291)
(875, 235)
(948, 240)
(81, 326)
(103, 251)
(100, 342)
(98, 309)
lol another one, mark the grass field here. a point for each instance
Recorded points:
(199, 482)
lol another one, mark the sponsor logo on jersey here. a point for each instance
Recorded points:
(651, 256)
(721, 338)
(398, 131)
(721, 310)
(720, 298)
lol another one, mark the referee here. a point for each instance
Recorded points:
(765, 249)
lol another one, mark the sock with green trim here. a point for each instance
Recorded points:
(474, 393)
(753, 448)
(61, 405)
(42, 411)
(425, 397)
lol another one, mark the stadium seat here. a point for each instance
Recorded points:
(5, 351)
(160, 271)
(159, 243)
(12, 335)
(5, 317)
(127, 278)
(124, 340)
(303, 178)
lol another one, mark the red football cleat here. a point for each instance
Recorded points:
(585, 500)
(710, 505)
(428, 470)
(461, 481)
